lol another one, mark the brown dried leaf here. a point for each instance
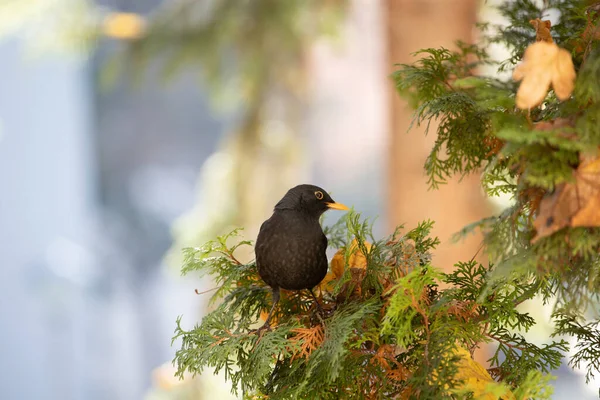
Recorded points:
(553, 124)
(573, 203)
(588, 215)
(542, 30)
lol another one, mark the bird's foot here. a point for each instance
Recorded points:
(320, 309)
(319, 312)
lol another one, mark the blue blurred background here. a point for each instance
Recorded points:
(102, 183)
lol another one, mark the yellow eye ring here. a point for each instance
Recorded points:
(319, 195)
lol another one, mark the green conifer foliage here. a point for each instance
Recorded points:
(394, 325)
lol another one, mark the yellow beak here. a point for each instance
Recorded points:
(337, 206)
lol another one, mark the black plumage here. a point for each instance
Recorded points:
(290, 248)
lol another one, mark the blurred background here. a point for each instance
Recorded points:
(132, 128)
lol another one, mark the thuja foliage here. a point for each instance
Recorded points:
(387, 330)
(543, 158)
(394, 325)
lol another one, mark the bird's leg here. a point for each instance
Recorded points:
(317, 302)
(267, 325)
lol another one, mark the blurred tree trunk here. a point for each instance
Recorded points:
(413, 25)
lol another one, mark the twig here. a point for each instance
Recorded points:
(478, 250)
(512, 346)
(229, 254)
(206, 291)
(528, 118)
(528, 294)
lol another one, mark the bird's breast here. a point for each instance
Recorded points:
(290, 253)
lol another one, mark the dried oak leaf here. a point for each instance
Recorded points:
(357, 259)
(328, 283)
(544, 64)
(357, 264)
(542, 30)
(573, 203)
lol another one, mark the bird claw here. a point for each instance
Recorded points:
(320, 309)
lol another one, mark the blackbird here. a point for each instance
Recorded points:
(290, 247)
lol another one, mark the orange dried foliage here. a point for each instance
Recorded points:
(591, 32)
(573, 203)
(309, 339)
(463, 310)
(494, 144)
(385, 357)
(533, 196)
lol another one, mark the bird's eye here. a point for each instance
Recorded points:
(319, 195)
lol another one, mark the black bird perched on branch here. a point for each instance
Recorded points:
(290, 248)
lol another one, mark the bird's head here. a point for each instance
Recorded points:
(310, 199)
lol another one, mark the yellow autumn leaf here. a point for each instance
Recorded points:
(477, 380)
(356, 260)
(328, 283)
(563, 78)
(124, 26)
(338, 264)
(544, 64)
(474, 379)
